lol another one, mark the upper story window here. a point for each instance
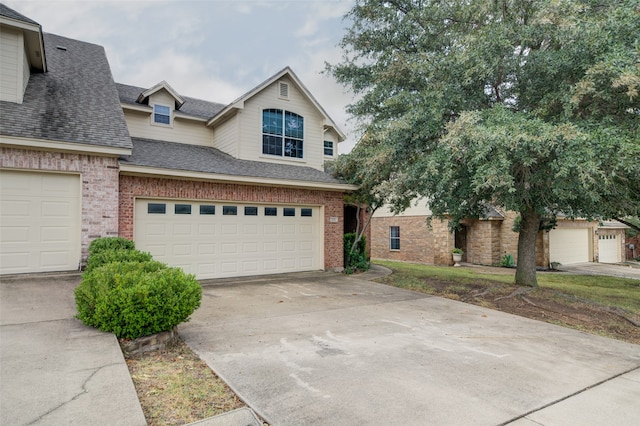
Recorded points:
(161, 114)
(282, 133)
(328, 148)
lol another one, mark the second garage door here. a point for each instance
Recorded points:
(226, 239)
(569, 245)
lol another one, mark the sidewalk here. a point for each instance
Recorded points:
(53, 369)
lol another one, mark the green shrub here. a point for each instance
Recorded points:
(103, 257)
(110, 243)
(356, 261)
(507, 261)
(134, 299)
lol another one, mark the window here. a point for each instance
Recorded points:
(282, 133)
(394, 237)
(251, 211)
(205, 209)
(229, 210)
(156, 208)
(328, 148)
(306, 212)
(289, 211)
(161, 114)
(271, 211)
(182, 209)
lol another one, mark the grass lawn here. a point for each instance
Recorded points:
(603, 305)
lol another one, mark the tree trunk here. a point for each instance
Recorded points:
(526, 267)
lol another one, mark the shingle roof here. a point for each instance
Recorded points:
(194, 107)
(75, 101)
(193, 158)
(10, 13)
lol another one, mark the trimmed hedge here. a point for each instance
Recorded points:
(110, 243)
(134, 299)
(103, 257)
(125, 292)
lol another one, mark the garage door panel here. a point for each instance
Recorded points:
(569, 246)
(609, 249)
(41, 221)
(251, 242)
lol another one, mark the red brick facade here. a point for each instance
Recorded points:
(132, 187)
(99, 177)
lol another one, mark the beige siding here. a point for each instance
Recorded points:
(140, 125)
(250, 121)
(11, 65)
(225, 136)
(417, 208)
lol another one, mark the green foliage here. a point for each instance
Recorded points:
(530, 106)
(134, 299)
(457, 251)
(356, 261)
(110, 243)
(507, 261)
(103, 256)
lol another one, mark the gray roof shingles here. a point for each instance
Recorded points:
(193, 158)
(75, 101)
(10, 13)
(194, 107)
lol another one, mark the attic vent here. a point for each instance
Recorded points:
(284, 90)
(61, 48)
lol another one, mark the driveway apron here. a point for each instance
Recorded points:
(326, 349)
(53, 369)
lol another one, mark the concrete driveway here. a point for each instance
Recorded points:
(322, 348)
(604, 269)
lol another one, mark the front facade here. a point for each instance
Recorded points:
(413, 236)
(219, 190)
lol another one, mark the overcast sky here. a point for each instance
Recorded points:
(209, 49)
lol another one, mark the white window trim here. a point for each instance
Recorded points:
(282, 156)
(153, 116)
(391, 238)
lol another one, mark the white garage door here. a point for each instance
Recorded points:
(227, 239)
(39, 222)
(569, 246)
(608, 249)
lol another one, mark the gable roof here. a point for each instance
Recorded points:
(215, 165)
(287, 71)
(75, 101)
(32, 34)
(143, 98)
(194, 107)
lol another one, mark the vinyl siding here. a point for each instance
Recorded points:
(250, 121)
(181, 130)
(417, 208)
(225, 136)
(12, 59)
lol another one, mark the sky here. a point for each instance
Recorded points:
(215, 50)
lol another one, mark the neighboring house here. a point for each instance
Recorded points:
(219, 190)
(410, 237)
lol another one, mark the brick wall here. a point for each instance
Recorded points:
(134, 186)
(99, 177)
(636, 242)
(418, 242)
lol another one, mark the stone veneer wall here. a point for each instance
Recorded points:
(99, 175)
(135, 186)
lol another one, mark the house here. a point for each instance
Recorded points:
(219, 190)
(410, 237)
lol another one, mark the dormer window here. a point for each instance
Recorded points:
(161, 114)
(282, 133)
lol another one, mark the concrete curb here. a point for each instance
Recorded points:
(242, 416)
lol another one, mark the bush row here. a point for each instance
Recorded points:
(126, 292)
